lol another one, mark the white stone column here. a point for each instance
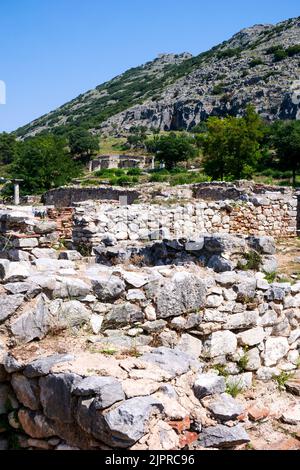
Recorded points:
(16, 194)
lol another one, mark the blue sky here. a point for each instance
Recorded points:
(53, 50)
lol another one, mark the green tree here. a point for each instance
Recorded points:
(8, 148)
(43, 163)
(172, 148)
(137, 137)
(214, 144)
(285, 137)
(232, 146)
(83, 144)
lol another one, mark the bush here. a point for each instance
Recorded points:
(278, 174)
(134, 172)
(274, 49)
(228, 53)
(218, 89)
(279, 55)
(109, 172)
(255, 62)
(159, 178)
(293, 50)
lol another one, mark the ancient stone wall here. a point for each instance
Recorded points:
(66, 197)
(169, 338)
(274, 215)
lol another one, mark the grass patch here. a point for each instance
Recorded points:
(243, 362)
(282, 379)
(234, 388)
(270, 277)
(221, 368)
(108, 351)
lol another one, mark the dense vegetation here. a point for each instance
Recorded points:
(43, 162)
(172, 148)
(227, 148)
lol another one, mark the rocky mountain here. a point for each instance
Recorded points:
(259, 65)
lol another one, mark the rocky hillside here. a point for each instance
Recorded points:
(258, 65)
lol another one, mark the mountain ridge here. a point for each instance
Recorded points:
(258, 65)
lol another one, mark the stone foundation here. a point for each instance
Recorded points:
(273, 216)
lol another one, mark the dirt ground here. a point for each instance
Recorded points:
(288, 257)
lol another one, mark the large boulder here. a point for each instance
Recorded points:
(225, 407)
(26, 390)
(45, 253)
(56, 396)
(44, 227)
(222, 436)
(35, 424)
(222, 243)
(14, 271)
(43, 365)
(67, 314)
(127, 423)
(123, 314)
(107, 390)
(221, 343)
(9, 304)
(71, 288)
(189, 344)
(219, 264)
(264, 245)
(173, 361)
(33, 323)
(184, 293)
(275, 349)
(108, 289)
(208, 384)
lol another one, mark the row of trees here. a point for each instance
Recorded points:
(46, 161)
(233, 147)
(229, 148)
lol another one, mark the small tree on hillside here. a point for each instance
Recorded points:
(172, 148)
(137, 137)
(83, 144)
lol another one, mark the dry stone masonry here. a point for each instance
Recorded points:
(272, 214)
(162, 324)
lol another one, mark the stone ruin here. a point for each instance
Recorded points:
(102, 162)
(110, 315)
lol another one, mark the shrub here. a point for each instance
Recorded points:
(108, 172)
(270, 277)
(279, 55)
(134, 172)
(273, 49)
(230, 52)
(124, 180)
(253, 261)
(293, 50)
(221, 368)
(255, 62)
(218, 89)
(158, 178)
